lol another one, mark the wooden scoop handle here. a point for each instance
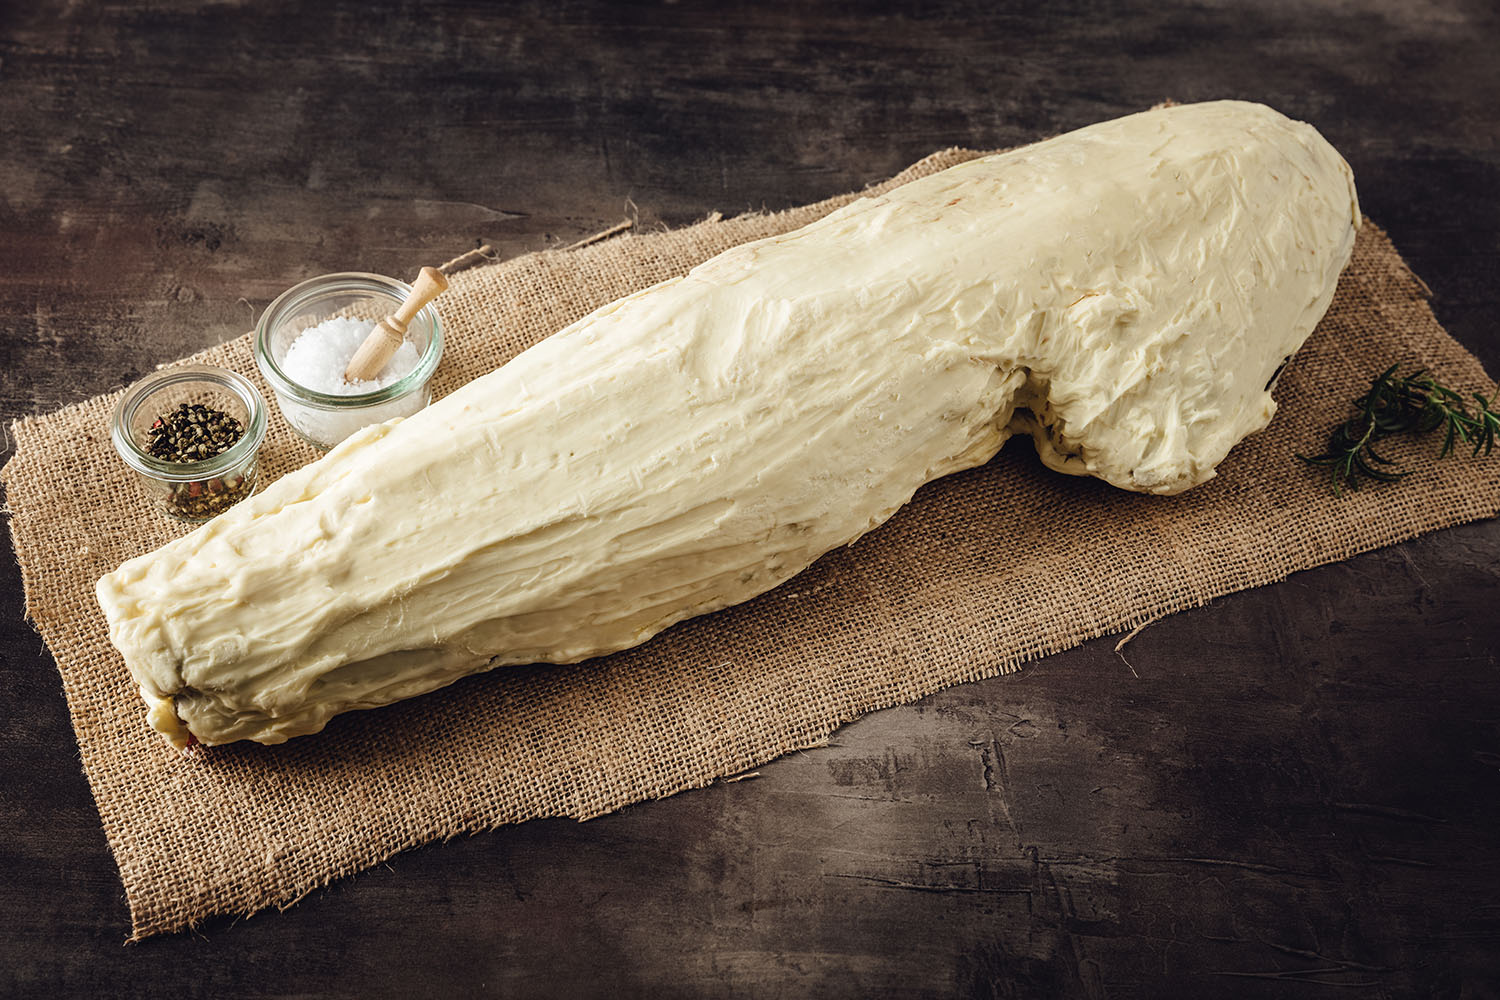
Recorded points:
(388, 334)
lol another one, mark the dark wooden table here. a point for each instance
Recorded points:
(1300, 790)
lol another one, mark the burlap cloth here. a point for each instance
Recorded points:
(980, 573)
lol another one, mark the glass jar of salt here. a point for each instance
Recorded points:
(305, 339)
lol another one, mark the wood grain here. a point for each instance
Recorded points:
(1294, 790)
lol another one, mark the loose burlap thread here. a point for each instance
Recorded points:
(980, 573)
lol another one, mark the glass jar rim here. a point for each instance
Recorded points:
(184, 472)
(293, 297)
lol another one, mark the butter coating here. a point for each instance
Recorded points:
(1123, 294)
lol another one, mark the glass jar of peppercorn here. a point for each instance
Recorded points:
(192, 434)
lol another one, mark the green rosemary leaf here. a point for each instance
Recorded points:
(1318, 459)
(1489, 422)
(1366, 469)
(1454, 430)
(1414, 403)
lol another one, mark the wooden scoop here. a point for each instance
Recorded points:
(388, 334)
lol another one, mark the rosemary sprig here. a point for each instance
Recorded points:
(1415, 403)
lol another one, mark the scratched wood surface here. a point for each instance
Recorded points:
(1293, 790)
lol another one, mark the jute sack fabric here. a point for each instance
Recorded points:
(980, 573)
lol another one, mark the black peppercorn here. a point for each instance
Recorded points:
(196, 433)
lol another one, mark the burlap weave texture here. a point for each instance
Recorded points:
(980, 573)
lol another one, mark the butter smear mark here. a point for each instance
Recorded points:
(1122, 294)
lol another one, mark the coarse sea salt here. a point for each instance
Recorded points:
(319, 355)
(316, 360)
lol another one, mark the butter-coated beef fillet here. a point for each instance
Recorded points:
(1123, 294)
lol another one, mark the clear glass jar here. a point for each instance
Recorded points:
(192, 492)
(325, 419)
